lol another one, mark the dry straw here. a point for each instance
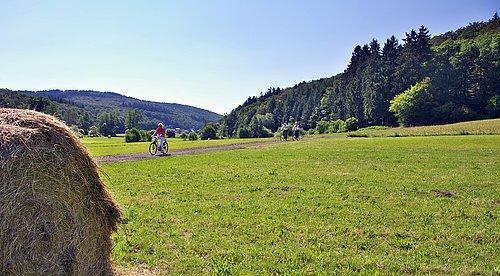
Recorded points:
(56, 216)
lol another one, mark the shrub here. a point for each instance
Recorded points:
(184, 135)
(413, 107)
(351, 124)
(322, 127)
(265, 133)
(146, 136)
(335, 126)
(259, 126)
(192, 136)
(170, 133)
(451, 112)
(342, 126)
(133, 135)
(93, 131)
(108, 124)
(493, 106)
(312, 131)
(138, 135)
(243, 132)
(208, 132)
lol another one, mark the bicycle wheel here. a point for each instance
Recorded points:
(166, 147)
(153, 148)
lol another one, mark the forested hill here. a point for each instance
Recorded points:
(458, 77)
(83, 108)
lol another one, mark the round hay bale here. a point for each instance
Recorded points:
(56, 216)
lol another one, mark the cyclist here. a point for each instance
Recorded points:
(284, 131)
(296, 130)
(160, 133)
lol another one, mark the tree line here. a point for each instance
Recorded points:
(81, 121)
(448, 78)
(75, 116)
(95, 103)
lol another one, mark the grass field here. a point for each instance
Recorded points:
(103, 146)
(389, 205)
(491, 126)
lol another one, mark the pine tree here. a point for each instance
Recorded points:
(374, 47)
(390, 56)
(132, 118)
(495, 17)
(372, 84)
(423, 47)
(415, 52)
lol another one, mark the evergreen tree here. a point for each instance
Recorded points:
(422, 45)
(109, 124)
(85, 121)
(463, 83)
(389, 89)
(372, 84)
(132, 118)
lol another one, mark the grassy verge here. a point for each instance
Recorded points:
(103, 146)
(395, 206)
(481, 127)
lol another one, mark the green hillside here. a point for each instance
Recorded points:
(82, 108)
(457, 72)
(14, 99)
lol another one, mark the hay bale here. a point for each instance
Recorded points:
(56, 216)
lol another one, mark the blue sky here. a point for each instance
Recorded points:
(210, 54)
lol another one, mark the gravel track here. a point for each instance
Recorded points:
(138, 156)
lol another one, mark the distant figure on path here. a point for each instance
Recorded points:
(160, 133)
(284, 131)
(296, 130)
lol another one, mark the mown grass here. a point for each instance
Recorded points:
(481, 127)
(103, 146)
(326, 206)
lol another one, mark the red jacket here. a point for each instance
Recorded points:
(160, 131)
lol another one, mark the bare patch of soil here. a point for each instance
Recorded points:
(439, 193)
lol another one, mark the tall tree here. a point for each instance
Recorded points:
(132, 118)
(372, 84)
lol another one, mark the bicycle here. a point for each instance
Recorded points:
(296, 136)
(284, 136)
(155, 144)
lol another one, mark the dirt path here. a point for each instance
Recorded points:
(137, 156)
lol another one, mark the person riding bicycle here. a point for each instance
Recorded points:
(296, 130)
(160, 133)
(284, 131)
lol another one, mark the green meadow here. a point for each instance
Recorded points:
(406, 205)
(481, 127)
